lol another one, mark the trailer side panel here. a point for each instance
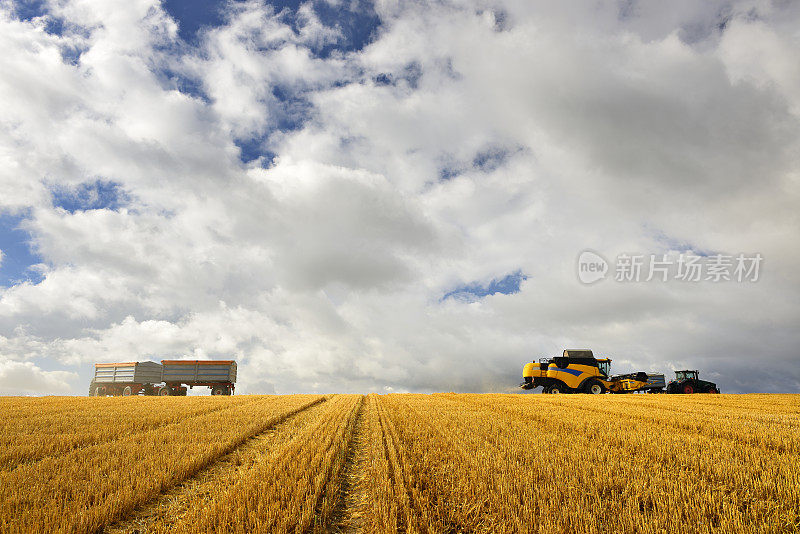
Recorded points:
(199, 371)
(655, 381)
(127, 372)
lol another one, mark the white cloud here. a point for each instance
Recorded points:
(26, 378)
(618, 130)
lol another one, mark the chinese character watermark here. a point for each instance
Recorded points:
(683, 267)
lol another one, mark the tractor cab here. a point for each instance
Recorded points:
(685, 375)
(604, 366)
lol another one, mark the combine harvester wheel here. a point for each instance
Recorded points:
(595, 388)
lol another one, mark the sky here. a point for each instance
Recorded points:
(392, 196)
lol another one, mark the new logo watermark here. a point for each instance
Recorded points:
(592, 267)
(681, 267)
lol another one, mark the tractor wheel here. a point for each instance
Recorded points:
(595, 388)
(164, 392)
(688, 389)
(555, 390)
(127, 392)
(713, 390)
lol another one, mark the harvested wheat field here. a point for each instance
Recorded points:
(401, 463)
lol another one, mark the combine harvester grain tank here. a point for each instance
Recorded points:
(579, 371)
(170, 377)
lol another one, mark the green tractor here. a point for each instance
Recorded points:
(688, 382)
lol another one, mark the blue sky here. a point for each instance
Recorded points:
(358, 21)
(506, 285)
(18, 252)
(94, 195)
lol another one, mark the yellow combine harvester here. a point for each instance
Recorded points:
(578, 371)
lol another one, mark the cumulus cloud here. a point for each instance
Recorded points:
(273, 194)
(26, 378)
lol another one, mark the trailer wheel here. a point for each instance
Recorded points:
(99, 391)
(688, 389)
(127, 392)
(164, 392)
(218, 391)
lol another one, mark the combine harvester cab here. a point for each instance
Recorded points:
(578, 371)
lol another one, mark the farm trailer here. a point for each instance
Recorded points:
(170, 377)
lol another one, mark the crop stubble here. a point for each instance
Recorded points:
(406, 463)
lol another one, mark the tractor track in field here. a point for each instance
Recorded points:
(82, 444)
(348, 515)
(173, 502)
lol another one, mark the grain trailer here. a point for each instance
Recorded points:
(126, 378)
(219, 375)
(170, 377)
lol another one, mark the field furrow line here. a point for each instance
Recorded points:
(88, 489)
(329, 496)
(292, 488)
(195, 491)
(380, 507)
(348, 513)
(403, 490)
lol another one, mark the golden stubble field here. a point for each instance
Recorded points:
(401, 463)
